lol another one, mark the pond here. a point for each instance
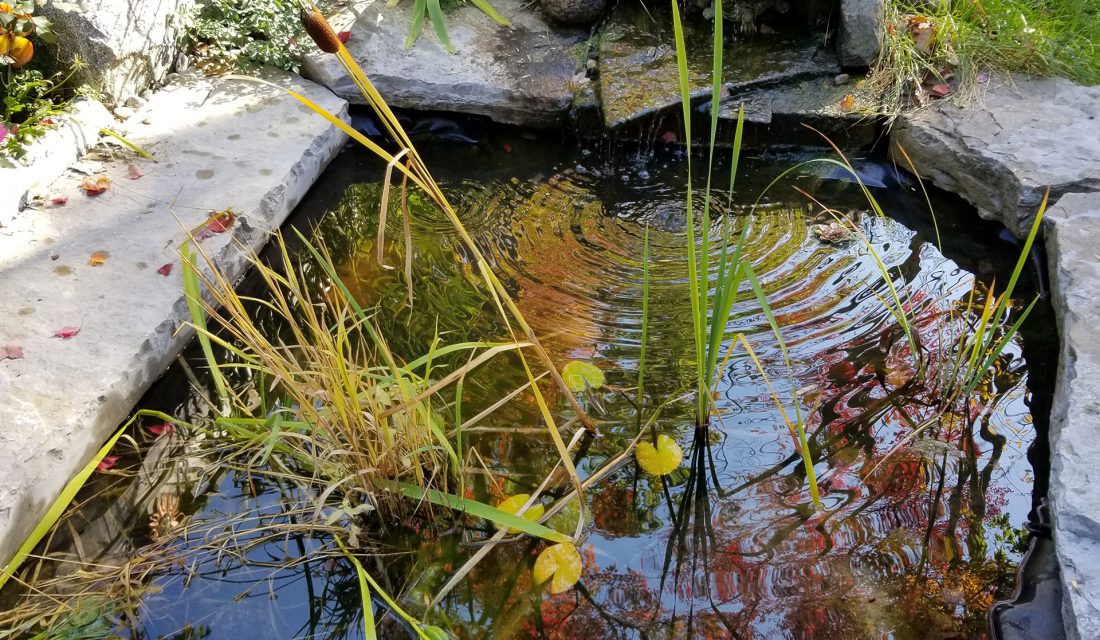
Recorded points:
(917, 534)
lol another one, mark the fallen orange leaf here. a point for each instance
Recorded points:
(95, 185)
(848, 103)
(98, 258)
(219, 222)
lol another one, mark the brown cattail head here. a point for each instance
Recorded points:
(319, 29)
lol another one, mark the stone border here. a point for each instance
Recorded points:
(1033, 134)
(219, 144)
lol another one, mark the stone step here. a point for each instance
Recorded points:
(219, 144)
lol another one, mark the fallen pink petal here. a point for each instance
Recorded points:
(166, 270)
(163, 429)
(108, 462)
(10, 352)
(66, 332)
(133, 171)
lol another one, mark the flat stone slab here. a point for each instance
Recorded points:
(522, 75)
(638, 69)
(817, 102)
(1073, 244)
(218, 144)
(1031, 134)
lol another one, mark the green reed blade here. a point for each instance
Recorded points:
(477, 509)
(416, 25)
(698, 306)
(491, 12)
(435, 13)
(645, 320)
(193, 293)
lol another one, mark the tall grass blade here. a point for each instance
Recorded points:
(53, 514)
(480, 510)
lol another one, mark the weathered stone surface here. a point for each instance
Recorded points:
(1073, 246)
(581, 13)
(128, 45)
(521, 74)
(638, 70)
(218, 144)
(861, 30)
(817, 102)
(48, 157)
(1030, 135)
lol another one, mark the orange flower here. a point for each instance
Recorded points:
(22, 50)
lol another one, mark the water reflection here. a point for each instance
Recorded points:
(916, 544)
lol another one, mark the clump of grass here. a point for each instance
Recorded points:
(960, 44)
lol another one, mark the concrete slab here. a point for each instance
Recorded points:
(523, 74)
(1073, 244)
(219, 144)
(1031, 134)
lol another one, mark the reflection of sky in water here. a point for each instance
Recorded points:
(765, 565)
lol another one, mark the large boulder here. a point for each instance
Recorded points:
(861, 30)
(128, 45)
(1030, 135)
(524, 74)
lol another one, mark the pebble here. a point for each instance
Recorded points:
(841, 79)
(124, 112)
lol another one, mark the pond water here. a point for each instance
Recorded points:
(917, 544)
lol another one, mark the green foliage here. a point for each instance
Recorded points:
(963, 41)
(238, 33)
(28, 102)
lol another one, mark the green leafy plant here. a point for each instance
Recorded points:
(238, 33)
(434, 11)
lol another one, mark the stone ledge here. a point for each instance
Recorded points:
(1031, 134)
(219, 144)
(1073, 242)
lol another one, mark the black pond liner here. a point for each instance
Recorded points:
(504, 153)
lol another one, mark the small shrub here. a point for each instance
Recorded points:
(236, 33)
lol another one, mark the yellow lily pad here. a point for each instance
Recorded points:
(513, 504)
(579, 376)
(662, 459)
(561, 564)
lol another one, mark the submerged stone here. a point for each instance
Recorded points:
(638, 69)
(523, 74)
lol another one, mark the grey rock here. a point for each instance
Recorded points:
(128, 46)
(862, 23)
(581, 13)
(815, 102)
(841, 79)
(1031, 134)
(137, 102)
(638, 69)
(521, 74)
(219, 144)
(1073, 245)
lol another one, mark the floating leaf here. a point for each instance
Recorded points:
(662, 459)
(98, 258)
(561, 562)
(580, 375)
(66, 332)
(165, 270)
(95, 185)
(14, 352)
(513, 504)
